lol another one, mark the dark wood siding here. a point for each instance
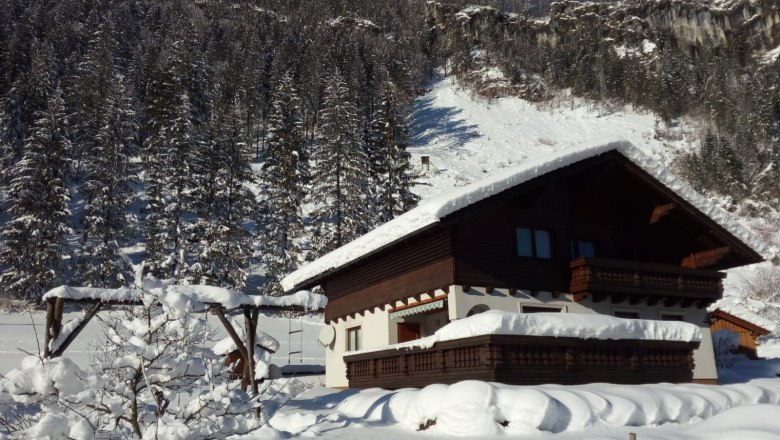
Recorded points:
(606, 204)
(605, 200)
(410, 269)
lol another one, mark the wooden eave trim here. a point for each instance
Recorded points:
(418, 303)
(720, 314)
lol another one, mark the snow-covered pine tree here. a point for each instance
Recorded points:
(391, 172)
(27, 98)
(109, 190)
(223, 202)
(340, 189)
(35, 238)
(281, 217)
(89, 91)
(167, 154)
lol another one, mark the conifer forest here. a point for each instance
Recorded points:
(207, 137)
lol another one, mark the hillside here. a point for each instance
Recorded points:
(467, 138)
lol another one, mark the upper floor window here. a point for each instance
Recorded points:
(582, 248)
(534, 243)
(353, 339)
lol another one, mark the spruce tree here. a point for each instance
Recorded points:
(167, 163)
(388, 140)
(109, 189)
(223, 203)
(35, 237)
(340, 189)
(281, 222)
(90, 90)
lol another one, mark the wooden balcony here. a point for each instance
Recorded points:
(524, 360)
(621, 280)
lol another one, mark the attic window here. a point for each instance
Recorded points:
(534, 243)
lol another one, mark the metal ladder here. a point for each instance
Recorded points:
(295, 349)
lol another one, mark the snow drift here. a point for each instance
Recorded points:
(560, 325)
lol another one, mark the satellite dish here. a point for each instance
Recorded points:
(327, 335)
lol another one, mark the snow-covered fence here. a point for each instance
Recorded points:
(179, 300)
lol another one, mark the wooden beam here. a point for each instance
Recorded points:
(705, 258)
(88, 315)
(534, 293)
(466, 288)
(250, 331)
(635, 299)
(512, 291)
(556, 294)
(49, 324)
(660, 212)
(230, 331)
(489, 289)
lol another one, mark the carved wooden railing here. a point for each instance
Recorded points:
(524, 360)
(601, 277)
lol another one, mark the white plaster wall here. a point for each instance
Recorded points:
(375, 332)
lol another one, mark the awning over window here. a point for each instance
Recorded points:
(414, 310)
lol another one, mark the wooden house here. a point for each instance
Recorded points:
(603, 229)
(748, 331)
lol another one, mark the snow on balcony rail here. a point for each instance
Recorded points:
(178, 295)
(561, 325)
(431, 212)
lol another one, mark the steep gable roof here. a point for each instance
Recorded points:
(432, 212)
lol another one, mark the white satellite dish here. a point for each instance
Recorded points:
(327, 335)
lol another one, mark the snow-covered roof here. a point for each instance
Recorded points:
(431, 212)
(569, 325)
(741, 308)
(180, 296)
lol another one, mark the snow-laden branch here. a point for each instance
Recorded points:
(179, 297)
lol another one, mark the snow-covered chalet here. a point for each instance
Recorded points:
(602, 231)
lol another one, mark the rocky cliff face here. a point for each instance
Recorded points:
(755, 24)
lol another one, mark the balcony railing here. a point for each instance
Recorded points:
(524, 360)
(601, 278)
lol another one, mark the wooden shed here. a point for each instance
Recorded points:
(747, 331)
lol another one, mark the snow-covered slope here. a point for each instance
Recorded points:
(469, 138)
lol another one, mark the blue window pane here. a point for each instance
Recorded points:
(524, 245)
(587, 249)
(543, 247)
